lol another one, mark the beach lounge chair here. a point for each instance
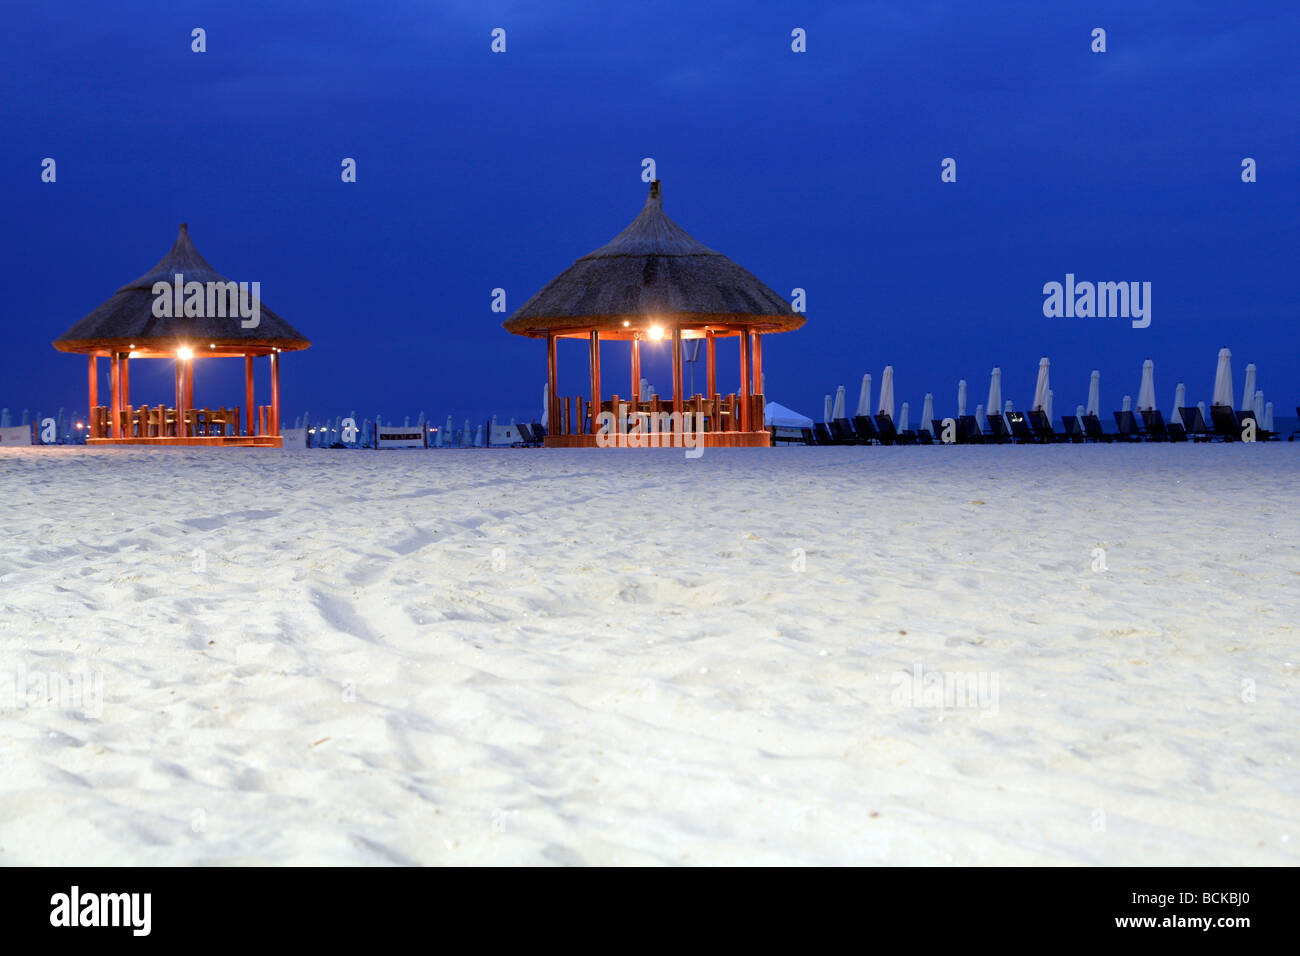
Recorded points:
(1126, 423)
(885, 430)
(866, 428)
(998, 431)
(823, 434)
(843, 433)
(1194, 423)
(1224, 420)
(1073, 430)
(1093, 430)
(968, 430)
(1157, 430)
(1042, 426)
(1019, 427)
(808, 437)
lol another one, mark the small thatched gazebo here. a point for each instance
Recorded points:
(650, 282)
(128, 327)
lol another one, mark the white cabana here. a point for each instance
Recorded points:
(980, 418)
(1094, 394)
(1248, 393)
(927, 413)
(1223, 379)
(1128, 404)
(995, 391)
(961, 398)
(864, 397)
(887, 392)
(1267, 424)
(1147, 389)
(1043, 383)
(837, 410)
(781, 417)
(826, 410)
(902, 418)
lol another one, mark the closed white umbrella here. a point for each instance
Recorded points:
(1180, 399)
(826, 410)
(546, 409)
(1147, 390)
(1094, 393)
(961, 398)
(887, 391)
(1205, 416)
(1248, 393)
(1043, 383)
(1128, 404)
(927, 413)
(1078, 414)
(1223, 379)
(980, 419)
(1259, 406)
(1007, 409)
(1047, 405)
(995, 390)
(837, 411)
(902, 418)
(864, 397)
(1267, 424)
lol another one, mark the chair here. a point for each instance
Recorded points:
(1073, 429)
(1194, 423)
(1019, 427)
(1093, 430)
(968, 430)
(1126, 423)
(843, 433)
(998, 431)
(885, 430)
(1157, 430)
(1042, 426)
(823, 434)
(866, 429)
(1226, 425)
(808, 437)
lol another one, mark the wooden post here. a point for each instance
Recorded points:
(744, 380)
(636, 368)
(758, 364)
(567, 415)
(94, 394)
(115, 399)
(595, 379)
(677, 371)
(125, 400)
(189, 383)
(250, 409)
(275, 393)
(180, 398)
(552, 392)
(710, 364)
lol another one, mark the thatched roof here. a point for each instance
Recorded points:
(127, 318)
(652, 269)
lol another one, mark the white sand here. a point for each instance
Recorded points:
(534, 656)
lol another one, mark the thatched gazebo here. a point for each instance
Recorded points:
(650, 282)
(128, 327)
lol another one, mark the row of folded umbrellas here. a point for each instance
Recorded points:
(1252, 398)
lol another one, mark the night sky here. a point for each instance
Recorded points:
(818, 170)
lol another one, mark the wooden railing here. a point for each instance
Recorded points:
(159, 421)
(721, 413)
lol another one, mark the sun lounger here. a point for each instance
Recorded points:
(998, 431)
(1093, 430)
(843, 433)
(865, 428)
(1019, 426)
(1194, 423)
(1126, 423)
(1073, 430)
(886, 431)
(1224, 420)
(968, 430)
(1157, 430)
(1042, 426)
(823, 434)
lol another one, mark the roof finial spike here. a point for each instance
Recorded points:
(654, 190)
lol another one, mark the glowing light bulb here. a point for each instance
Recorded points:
(656, 332)
(185, 353)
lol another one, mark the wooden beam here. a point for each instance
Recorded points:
(595, 380)
(93, 373)
(115, 400)
(710, 363)
(249, 401)
(552, 390)
(677, 371)
(275, 393)
(744, 380)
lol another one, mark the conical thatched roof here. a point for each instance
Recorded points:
(127, 318)
(653, 268)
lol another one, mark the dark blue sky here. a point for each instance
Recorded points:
(817, 170)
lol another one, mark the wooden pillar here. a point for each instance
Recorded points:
(757, 364)
(180, 397)
(115, 398)
(744, 379)
(636, 367)
(710, 364)
(189, 383)
(125, 400)
(552, 372)
(250, 409)
(595, 381)
(275, 393)
(677, 370)
(93, 374)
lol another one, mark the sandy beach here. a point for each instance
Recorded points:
(969, 655)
